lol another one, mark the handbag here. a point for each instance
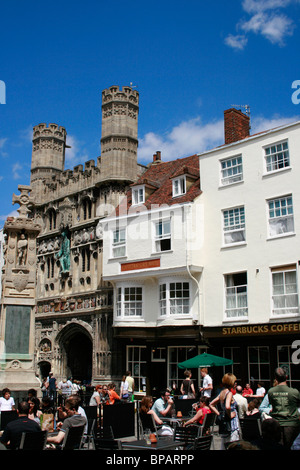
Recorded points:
(224, 422)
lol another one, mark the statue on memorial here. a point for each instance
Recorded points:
(64, 253)
(22, 250)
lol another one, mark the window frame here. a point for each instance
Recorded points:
(165, 303)
(231, 179)
(284, 270)
(162, 237)
(123, 305)
(278, 217)
(118, 243)
(270, 167)
(138, 195)
(235, 288)
(179, 186)
(236, 227)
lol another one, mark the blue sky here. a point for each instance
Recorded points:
(189, 61)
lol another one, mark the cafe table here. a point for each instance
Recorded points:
(176, 420)
(160, 445)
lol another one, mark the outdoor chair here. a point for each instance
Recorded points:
(250, 429)
(33, 440)
(186, 435)
(73, 439)
(105, 432)
(90, 435)
(6, 417)
(107, 444)
(208, 424)
(105, 440)
(203, 442)
(91, 412)
(147, 422)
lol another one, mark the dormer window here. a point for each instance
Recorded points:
(138, 195)
(179, 186)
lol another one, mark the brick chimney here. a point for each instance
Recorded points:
(157, 157)
(236, 125)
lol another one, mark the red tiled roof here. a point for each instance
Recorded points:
(160, 175)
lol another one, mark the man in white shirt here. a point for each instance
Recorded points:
(207, 384)
(7, 402)
(241, 402)
(260, 391)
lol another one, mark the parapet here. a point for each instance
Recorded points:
(115, 93)
(52, 130)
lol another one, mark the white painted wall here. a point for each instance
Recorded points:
(259, 253)
(181, 263)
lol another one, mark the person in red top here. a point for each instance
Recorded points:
(113, 396)
(201, 411)
(247, 391)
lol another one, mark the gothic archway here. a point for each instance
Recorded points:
(76, 344)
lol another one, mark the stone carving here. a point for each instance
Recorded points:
(24, 199)
(20, 280)
(22, 250)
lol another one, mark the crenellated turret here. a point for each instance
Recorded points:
(119, 141)
(48, 154)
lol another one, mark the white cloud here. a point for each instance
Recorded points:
(17, 171)
(261, 123)
(2, 144)
(236, 42)
(192, 136)
(76, 154)
(188, 138)
(266, 20)
(275, 28)
(255, 6)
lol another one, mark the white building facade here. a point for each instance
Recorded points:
(251, 206)
(151, 256)
(211, 263)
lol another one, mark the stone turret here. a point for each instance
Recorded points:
(48, 155)
(119, 141)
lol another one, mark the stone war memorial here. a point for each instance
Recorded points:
(56, 309)
(17, 347)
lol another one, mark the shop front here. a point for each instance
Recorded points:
(257, 349)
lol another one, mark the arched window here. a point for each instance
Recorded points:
(87, 208)
(52, 219)
(86, 259)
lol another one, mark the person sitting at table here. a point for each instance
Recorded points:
(95, 398)
(7, 403)
(113, 396)
(260, 391)
(201, 410)
(253, 410)
(247, 391)
(73, 419)
(63, 414)
(12, 433)
(145, 415)
(35, 412)
(163, 406)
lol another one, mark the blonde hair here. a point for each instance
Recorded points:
(229, 380)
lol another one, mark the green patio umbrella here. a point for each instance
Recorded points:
(204, 360)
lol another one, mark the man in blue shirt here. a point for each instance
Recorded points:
(163, 405)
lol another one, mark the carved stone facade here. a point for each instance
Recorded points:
(17, 325)
(73, 305)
